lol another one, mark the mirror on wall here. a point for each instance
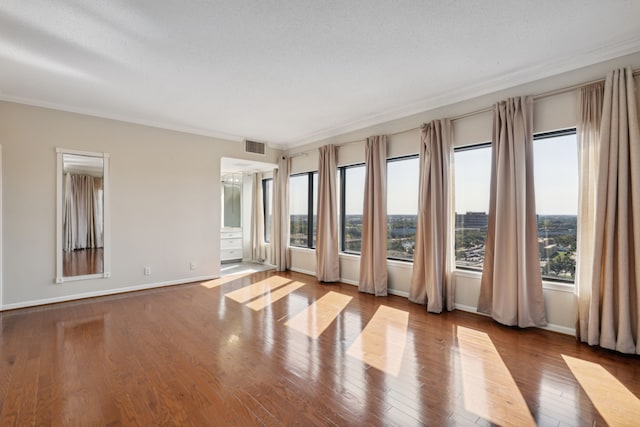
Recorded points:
(231, 200)
(82, 215)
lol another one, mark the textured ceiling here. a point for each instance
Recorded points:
(289, 72)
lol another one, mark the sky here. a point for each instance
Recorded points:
(555, 176)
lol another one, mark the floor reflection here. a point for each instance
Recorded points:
(382, 342)
(617, 405)
(313, 320)
(268, 299)
(82, 262)
(210, 284)
(81, 347)
(489, 389)
(250, 292)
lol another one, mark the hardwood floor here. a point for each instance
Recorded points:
(189, 355)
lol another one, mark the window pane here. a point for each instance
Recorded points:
(354, 201)
(267, 194)
(402, 207)
(556, 188)
(315, 208)
(472, 181)
(298, 210)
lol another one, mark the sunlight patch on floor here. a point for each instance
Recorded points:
(382, 342)
(271, 297)
(313, 320)
(257, 289)
(210, 284)
(617, 405)
(489, 389)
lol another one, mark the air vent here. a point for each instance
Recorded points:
(254, 147)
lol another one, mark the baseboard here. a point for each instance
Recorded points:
(34, 303)
(559, 329)
(550, 326)
(398, 293)
(303, 271)
(469, 309)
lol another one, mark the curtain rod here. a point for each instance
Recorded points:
(542, 95)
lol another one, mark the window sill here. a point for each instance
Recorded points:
(302, 249)
(560, 287)
(546, 284)
(468, 273)
(345, 255)
(400, 263)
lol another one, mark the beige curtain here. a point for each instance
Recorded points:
(511, 286)
(613, 321)
(82, 225)
(590, 100)
(280, 218)
(431, 281)
(327, 262)
(373, 256)
(258, 250)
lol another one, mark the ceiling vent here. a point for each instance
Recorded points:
(254, 147)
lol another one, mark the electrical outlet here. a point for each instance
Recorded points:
(147, 271)
(192, 265)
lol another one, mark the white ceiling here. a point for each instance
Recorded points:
(290, 72)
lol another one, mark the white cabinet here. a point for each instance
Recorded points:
(230, 245)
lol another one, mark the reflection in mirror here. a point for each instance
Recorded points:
(232, 205)
(82, 183)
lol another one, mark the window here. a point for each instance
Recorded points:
(351, 204)
(472, 181)
(556, 187)
(402, 206)
(556, 190)
(267, 197)
(303, 193)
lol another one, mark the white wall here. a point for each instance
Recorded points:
(1, 245)
(165, 202)
(550, 113)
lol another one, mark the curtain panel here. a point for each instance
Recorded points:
(82, 216)
(280, 218)
(612, 321)
(258, 250)
(432, 277)
(590, 99)
(327, 261)
(373, 256)
(511, 285)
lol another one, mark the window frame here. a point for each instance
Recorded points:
(310, 205)
(342, 170)
(396, 159)
(458, 150)
(547, 135)
(536, 137)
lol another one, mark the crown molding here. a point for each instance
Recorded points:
(122, 118)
